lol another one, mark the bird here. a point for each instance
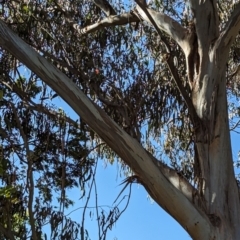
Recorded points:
(105, 6)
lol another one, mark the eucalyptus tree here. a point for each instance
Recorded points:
(153, 80)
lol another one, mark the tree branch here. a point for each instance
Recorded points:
(165, 23)
(122, 19)
(167, 188)
(206, 22)
(105, 6)
(230, 32)
(170, 62)
(29, 178)
(192, 112)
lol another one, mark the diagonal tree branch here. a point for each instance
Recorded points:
(116, 20)
(164, 185)
(110, 20)
(230, 32)
(169, 59)
(165, 23)
(159, 21)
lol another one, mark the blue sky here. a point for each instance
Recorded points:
(143, 219)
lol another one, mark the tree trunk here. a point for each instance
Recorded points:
(214, 171)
